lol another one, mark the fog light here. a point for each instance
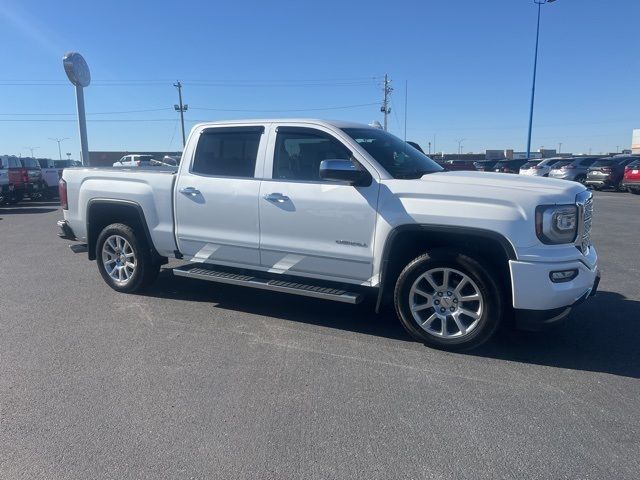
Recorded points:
(563, 275)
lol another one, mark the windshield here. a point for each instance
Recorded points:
(398, 158)
(530, 164)
(30, 163)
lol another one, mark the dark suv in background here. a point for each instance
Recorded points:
(608, 172)
(509, 166)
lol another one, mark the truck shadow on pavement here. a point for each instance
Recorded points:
(25, 208)
(602, 335)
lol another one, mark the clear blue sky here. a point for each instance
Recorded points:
(468, 64)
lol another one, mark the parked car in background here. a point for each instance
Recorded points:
(6, 188)
(539, 168)
(12, 167)
(508, 166)
(608, 172)
(134, 161)
(631, 178)
(32, 176)
(457, 165)
(24, 174)
(51, 174)
(485, 165)
(574, 169)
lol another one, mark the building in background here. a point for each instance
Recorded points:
(635, 142)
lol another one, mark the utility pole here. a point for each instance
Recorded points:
(429, 148)
(181, 108)
(460, 145)
(559, 147)
(387, 89)
(68, 156)
(59, 140)
(32, 149)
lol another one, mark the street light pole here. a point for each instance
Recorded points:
(535, 68)
(32, 149)
(59, 140)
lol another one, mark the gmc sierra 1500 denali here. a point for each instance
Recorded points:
(334, 210)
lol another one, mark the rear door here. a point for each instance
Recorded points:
(309, 226)
(216, 196)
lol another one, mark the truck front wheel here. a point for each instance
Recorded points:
(448, 300)
(124, 260)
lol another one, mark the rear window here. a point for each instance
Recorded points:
(607, 162)
(228, 152)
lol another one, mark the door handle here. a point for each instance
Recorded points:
(276, 197)
(190, 191)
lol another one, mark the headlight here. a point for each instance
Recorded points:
(557, 224)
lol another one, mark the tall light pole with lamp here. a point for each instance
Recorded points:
(59, 140)
(535, 68)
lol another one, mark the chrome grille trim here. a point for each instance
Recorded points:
(584, 202)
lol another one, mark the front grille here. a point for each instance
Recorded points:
(584, 201)
(586, 232)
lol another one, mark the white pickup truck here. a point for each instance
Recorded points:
(335, 210)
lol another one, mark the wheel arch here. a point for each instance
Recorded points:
(102, 212)
(405, 242)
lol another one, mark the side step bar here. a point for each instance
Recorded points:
(205, 272)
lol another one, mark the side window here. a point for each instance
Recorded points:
(229, 152)
(299, 152)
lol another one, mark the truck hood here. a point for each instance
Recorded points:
(503, 181)
(504, 203)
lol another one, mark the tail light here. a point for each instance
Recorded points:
(25, 176)
(62, 193)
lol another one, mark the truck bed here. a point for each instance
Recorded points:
(149, 187)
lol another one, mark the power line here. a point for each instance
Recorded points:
(94, 113)
(286, 110)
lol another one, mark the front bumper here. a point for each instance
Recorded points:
(33, 187)
(538, 300)
(537, 320)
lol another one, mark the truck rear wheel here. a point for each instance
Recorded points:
(448, 300)
(124, 259)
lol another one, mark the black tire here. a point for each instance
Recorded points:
(581, 179)
(635, 191)
(491, 310)
(146, 269)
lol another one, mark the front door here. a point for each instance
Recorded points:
(313, 227)
(217, 198)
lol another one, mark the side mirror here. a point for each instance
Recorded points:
(344, 171)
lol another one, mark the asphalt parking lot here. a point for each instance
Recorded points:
(198, 380)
